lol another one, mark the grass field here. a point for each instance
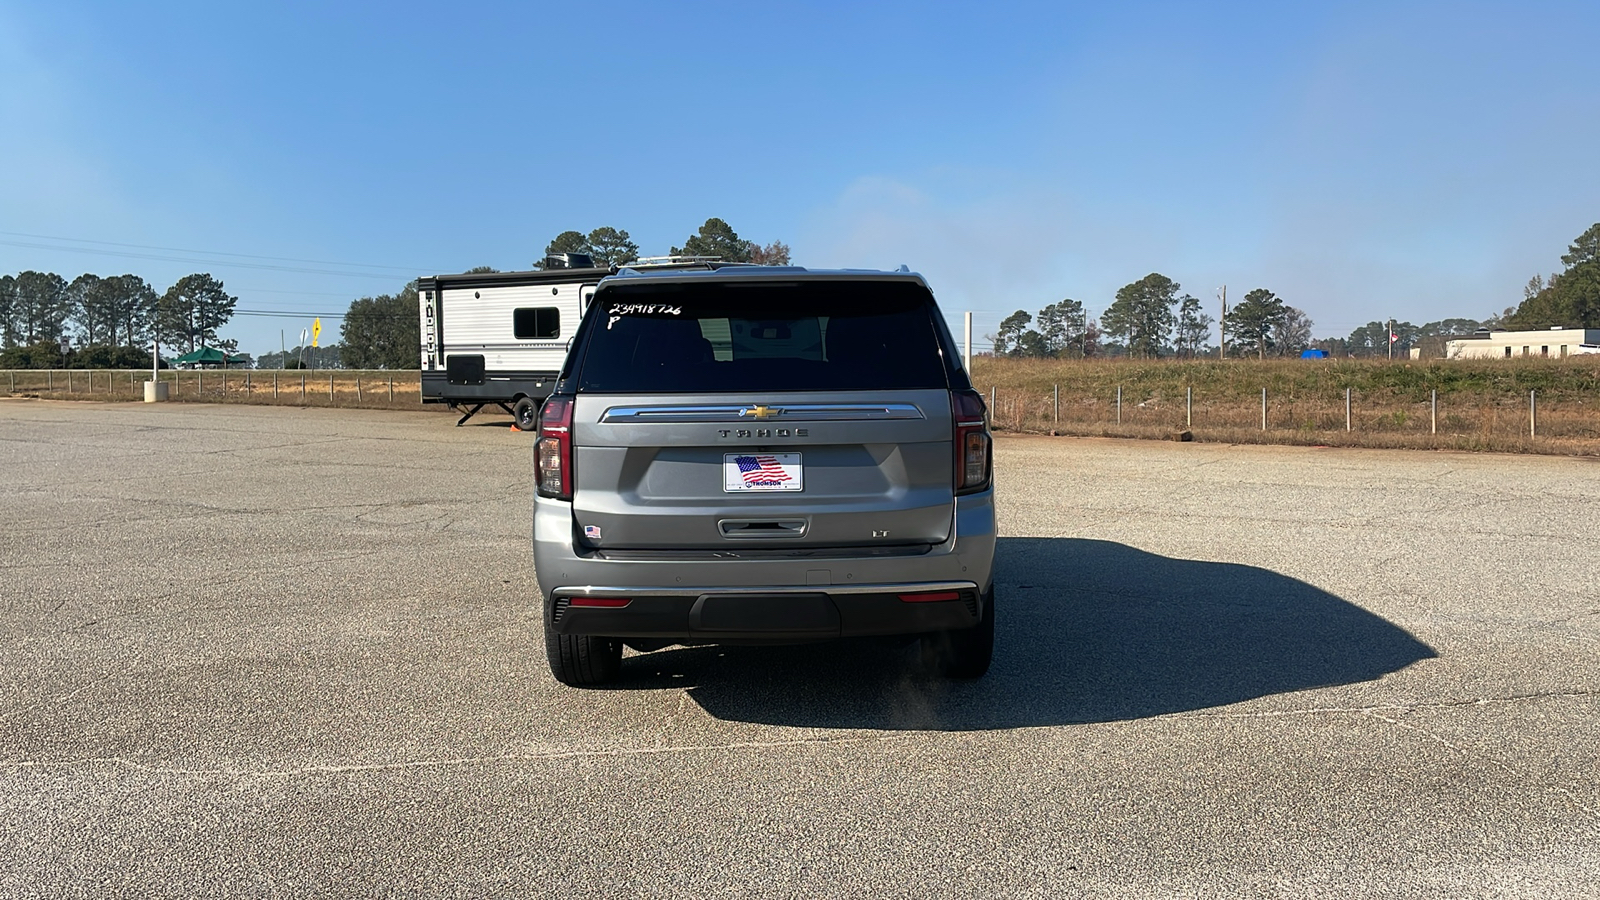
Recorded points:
(371, 389)
(1481, 404)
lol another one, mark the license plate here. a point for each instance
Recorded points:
(743, 472)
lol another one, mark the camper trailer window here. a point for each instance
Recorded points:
(536, 323)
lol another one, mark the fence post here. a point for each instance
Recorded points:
(1119, 404)
(199, 382)
(1433, 413)
(302, 386)
(50, 379)
(69, 382)
(1533, 414)
(391, 388)
(1346, 409)
(358, 389)
(274, 385)
(991, 404)
(330, 388)
(1263, 409)
(1058, 404)
(247, 384)
(1188, 407)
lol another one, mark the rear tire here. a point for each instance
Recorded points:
(964, 653)
(526, 413)
(583, 660)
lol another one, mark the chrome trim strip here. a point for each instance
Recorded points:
(792, 412)
(907, 588)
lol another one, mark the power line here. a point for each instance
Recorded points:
(319, 262)
(256, 290)
(297, 314)
(201, 262)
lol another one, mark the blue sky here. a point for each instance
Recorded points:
(1362, 160)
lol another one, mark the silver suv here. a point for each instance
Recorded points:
(769, 455)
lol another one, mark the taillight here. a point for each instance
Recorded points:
(552, 451)
(973, 466)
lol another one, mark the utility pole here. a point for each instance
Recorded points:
(1222, 325)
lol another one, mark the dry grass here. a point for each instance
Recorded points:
(1482, 404)
(349, 389)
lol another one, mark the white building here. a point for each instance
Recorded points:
(1557, 342)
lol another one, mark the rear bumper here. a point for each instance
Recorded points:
(862, 590)
(770, 615)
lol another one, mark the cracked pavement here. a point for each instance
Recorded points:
(259, 651)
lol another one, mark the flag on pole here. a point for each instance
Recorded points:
(1392, 338)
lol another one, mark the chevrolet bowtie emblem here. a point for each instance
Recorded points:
(761, 412)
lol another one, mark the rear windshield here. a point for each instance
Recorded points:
(808, 336)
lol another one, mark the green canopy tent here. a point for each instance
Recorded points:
(208, 356)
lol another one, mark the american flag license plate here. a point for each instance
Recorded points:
(743, 472)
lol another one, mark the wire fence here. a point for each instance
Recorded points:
(1516, 421)
(375, 388)
(1504, 421)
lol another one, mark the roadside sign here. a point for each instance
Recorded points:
(316, 330)
(66, 343)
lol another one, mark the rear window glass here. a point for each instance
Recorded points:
(809, 336)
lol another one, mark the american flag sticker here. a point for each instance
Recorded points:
(592, 532)
(743, 472)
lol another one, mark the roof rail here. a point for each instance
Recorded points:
(671, 260)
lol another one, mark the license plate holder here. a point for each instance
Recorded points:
(744, 473)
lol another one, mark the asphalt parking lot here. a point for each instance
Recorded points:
(256, 651)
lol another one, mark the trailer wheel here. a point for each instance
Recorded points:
(526, 412)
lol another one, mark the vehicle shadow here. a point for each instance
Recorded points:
(1087, 631)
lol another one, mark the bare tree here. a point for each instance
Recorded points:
(773, 254)
(1194, 326)
(1294, 332)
